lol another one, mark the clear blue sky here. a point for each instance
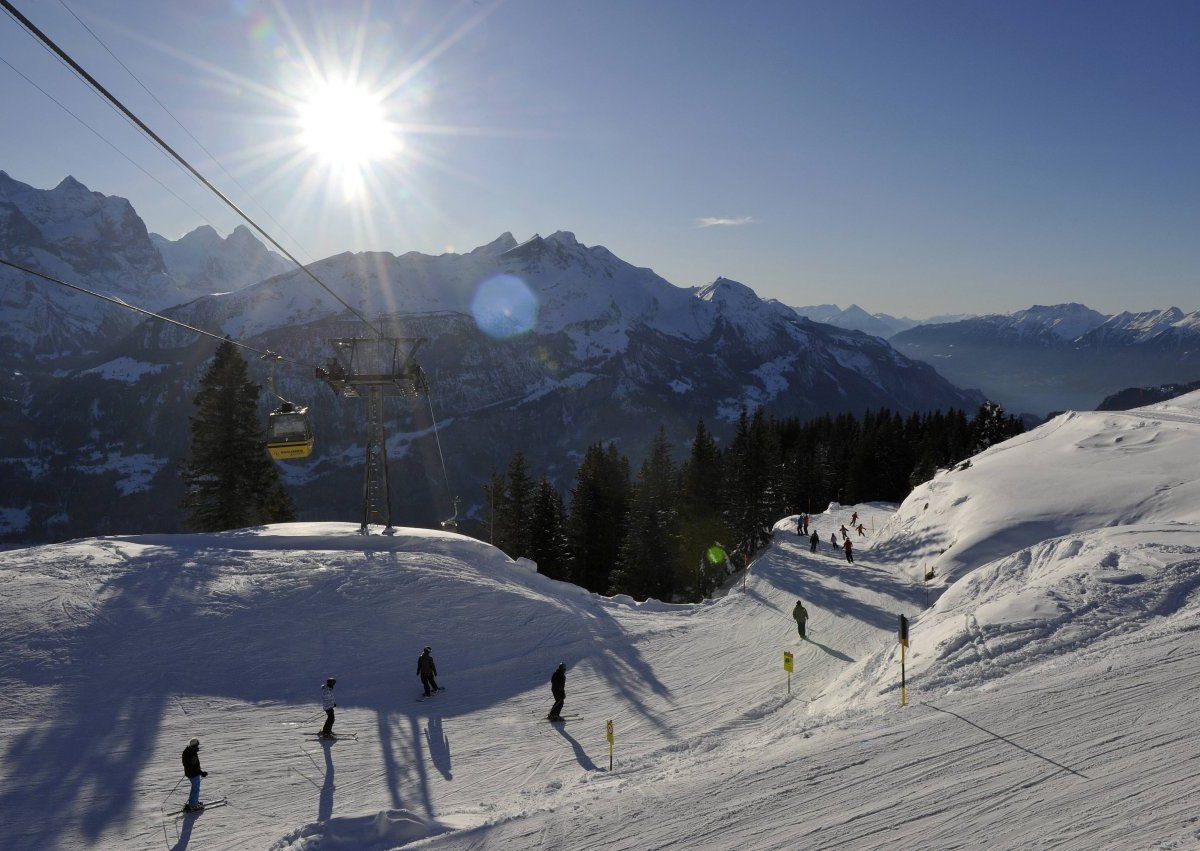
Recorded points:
(915, 158)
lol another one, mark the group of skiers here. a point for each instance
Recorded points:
(426, 670)
(845, 545)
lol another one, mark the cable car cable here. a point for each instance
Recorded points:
(442, 458)
(141, 125)
(181, 126)
(102, 138)
(144, 312)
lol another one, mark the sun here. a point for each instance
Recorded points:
(347, 129)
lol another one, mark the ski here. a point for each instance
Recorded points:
(563, 718)
(421, 698)
(335, 737)
(208, 805)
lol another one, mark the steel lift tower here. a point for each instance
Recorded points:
(375, 367)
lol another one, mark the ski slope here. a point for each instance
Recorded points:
(1049, 699)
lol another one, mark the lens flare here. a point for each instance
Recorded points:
(504, 306)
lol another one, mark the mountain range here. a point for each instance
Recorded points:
(1059, 357)
(547, 345)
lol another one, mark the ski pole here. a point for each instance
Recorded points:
(172, 792)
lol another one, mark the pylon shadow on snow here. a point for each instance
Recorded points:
(581, 756)
(150, 631)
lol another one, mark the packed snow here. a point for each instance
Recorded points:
(1051, 587)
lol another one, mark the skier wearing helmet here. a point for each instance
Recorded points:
(327, 702)
(427, 670)
(193, 772)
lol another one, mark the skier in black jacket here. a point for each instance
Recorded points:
(558, 687)
(427, 670)
(193, 772)
(813, 541)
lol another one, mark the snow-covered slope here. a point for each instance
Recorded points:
(1050, 692)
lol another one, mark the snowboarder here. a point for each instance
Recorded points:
(327, 702)
(849, 547)
(813, 541)
(801, 615)
(427, 670)
(193, 772)
(861, 533)
(558, 687)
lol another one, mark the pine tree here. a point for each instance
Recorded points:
(702, 493)
(514, 508)
(649, 561)
(598, 516)
(991, 426)
(548, 531)
(230, 480)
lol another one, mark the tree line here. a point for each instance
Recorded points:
(664, 532)
(667, 531)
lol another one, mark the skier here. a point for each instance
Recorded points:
(813, 541)
(327, 702)
(801, 615)
(849, 547)
(861, 533)
(833, 540)
(804, 517)
(193, 772)
(558, 687)
(427, 670)
(845, 533)
(853, 518)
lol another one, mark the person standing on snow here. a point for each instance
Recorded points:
(804, 517)
(327, 702)
(193, 772)
(427, 670)
(853, 518)
(558, 688)
(849, 547)
(801, 615)
(813, 541)
(833, 540)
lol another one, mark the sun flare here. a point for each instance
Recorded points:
(347, 129)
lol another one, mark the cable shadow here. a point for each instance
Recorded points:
(1008, 741)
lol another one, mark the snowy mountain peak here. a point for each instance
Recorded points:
(505, 242)
(563, 237)
(727, 292)
(1066, 321)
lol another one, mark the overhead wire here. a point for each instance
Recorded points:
(179, 158)
(99, 135)
(150, 313)
(179, 123)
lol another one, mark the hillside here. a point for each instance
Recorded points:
(1050, 699)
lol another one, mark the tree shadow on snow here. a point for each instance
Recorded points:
(150, 627)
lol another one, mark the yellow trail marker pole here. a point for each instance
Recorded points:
(610, 745)
(787, 666)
